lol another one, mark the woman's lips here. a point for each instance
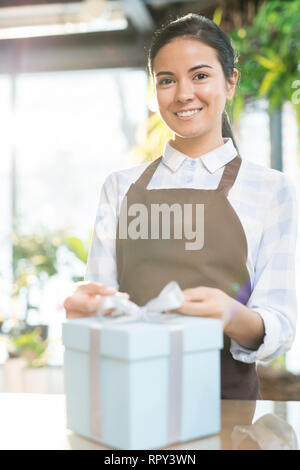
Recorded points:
(187, 118)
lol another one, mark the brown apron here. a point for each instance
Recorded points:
(146, 265)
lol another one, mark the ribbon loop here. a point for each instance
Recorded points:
(170, 298)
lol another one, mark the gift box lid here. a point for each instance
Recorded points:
(139, 339)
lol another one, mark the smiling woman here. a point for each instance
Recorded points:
(196, 93)
(188, 95)
(243, 273)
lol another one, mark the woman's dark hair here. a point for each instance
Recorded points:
(202, 29)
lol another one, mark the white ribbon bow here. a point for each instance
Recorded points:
(170, 297)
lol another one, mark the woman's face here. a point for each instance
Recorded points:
(189, 79)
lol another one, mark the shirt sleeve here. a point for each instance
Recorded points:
(274, 289)
(101, 263)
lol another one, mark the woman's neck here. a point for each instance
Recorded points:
(197, 146)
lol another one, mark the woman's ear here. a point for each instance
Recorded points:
(231, 84)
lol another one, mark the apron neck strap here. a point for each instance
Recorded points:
(229, 175)
(146, 176)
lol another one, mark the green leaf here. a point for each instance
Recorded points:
(77, 247)
(217, 16)
(267, 82)
(237, 107)
(267, 63)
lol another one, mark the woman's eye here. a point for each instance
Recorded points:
(202, 74)
(165, 81)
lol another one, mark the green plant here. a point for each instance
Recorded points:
(34, 262)
(80, 248)
(269, 57)
(36, 258)
(30, 346)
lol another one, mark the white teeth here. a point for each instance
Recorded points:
(188, 113)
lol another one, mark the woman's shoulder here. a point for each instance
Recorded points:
(265, 175)
(131, 173)
(120, 180)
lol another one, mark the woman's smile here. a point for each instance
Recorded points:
(189, 114)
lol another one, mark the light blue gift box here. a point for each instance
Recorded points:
(141, 384)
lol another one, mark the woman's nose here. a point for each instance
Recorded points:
(184, 92)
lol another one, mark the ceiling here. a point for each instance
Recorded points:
(144, 15)
(39, 35)
(18, 3)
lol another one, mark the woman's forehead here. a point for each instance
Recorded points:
(184, 53)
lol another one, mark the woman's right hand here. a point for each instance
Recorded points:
(86, 298)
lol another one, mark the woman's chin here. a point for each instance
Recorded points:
(185, 130)
(187, 134)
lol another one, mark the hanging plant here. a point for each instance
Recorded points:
(269, 56)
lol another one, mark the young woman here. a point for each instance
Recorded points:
(243, 272)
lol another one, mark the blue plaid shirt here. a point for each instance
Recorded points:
(264, 200)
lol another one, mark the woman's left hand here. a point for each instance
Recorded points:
(208, 302)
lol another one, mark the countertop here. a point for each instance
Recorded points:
(37, 421)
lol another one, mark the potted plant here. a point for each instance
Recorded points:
(34, 262)
(26, 351)
(29, 346)
(36, 258)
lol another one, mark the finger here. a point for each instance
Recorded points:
(74, 314)
(94, 288)
(197, 293)
(82, 304)
(195, 308)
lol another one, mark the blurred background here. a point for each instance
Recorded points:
(75, 105)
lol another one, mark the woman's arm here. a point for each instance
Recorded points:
(274, 295)
(246, 326)
(100, 276)
(101, 263)
(265, 328)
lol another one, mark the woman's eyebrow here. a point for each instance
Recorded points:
(190, 70)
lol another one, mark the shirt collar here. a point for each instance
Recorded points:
(212, 160)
